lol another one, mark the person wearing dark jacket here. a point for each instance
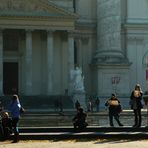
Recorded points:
(79, 121)
(77, 105)
(114, 109)
(136, 104)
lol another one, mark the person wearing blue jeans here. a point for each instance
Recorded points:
(14, 108)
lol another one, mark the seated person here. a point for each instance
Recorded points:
(6, 125)
(80, 119)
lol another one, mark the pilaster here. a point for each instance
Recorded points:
(49, 62)
(70, 58)
(1, 62)
(28, 62)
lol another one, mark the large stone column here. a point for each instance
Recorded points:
(28, 62)
(109, 31)
(1, 62)
(111, 67)
(49, 62)
(71, 51)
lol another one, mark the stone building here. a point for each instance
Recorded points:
(41, 41)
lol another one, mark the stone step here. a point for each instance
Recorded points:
(88, 129)
(65, 119)
(71, 135)
(46, 133)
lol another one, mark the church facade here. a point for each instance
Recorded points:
(42, 41)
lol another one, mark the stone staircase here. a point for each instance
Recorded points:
(44, 125)
(46, 133)
(49, 118)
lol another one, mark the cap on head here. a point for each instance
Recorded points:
(137, 86)
(113, 95)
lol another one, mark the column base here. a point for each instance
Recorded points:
(112, 78)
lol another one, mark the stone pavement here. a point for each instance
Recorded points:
(85, 143)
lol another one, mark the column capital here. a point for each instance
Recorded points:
(50, 30)
(71, 33)
(29, 30)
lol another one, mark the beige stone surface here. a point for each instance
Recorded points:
(76, 144)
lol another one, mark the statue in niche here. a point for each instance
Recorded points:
(77, 79)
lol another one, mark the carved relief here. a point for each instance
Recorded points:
(21, 5)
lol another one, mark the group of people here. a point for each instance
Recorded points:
(114, 109)
(136, 105)
(93, 103)
(9, 124)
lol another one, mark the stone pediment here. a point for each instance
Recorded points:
(33, 8)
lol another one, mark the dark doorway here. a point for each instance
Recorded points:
(10, 78)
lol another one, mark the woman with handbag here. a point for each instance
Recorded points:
(114, 107)
(136, 104)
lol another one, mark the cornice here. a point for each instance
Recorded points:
(86, 23)
(64, 11)
(38, 8)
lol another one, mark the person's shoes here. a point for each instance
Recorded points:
(121, 124)
(134, 125)
(15, 141)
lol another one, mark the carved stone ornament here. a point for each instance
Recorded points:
(21, 5)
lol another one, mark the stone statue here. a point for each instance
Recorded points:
(77, 79)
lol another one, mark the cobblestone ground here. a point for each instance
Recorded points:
(75, 144)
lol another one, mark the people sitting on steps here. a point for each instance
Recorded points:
(79, 121)
(6, 125)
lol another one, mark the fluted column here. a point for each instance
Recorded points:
(28, 62)
(70, 51)
(1, 62)
(49, 62)
(109, 31)
(70, 59)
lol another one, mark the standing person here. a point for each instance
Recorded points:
(113, 104)
(15, 108)
(136, 104)
(1, 106)
(61, 105)
(56, 105)
(90, 105)
(97, 102)
(77, 105)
